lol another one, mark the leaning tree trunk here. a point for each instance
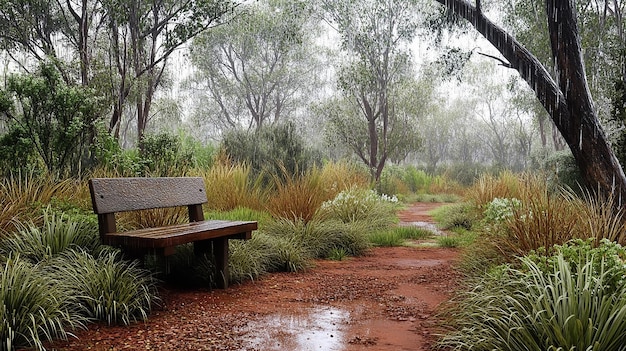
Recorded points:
(569, 102)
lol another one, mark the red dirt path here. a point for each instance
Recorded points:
(383, 301)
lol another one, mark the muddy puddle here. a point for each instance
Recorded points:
(318, 328)
(424, 225)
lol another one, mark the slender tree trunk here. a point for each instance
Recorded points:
(568, 102)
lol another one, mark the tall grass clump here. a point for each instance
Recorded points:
(318, 238)
(253, 258)
(241, 214)
(489, 187)
(230, 185)
(543, 219)
(444, 184)
(339, 176)
(297, 196)
(157, 217)
(31, 307)
(288, 245)
(55, 235)
(599, 216)
(23, 195)
(571, 303)
(106, 287)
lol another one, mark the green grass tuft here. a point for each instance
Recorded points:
(105, 287)
(413, 233)
(337, 254)
(241, 214)
(55, 235)
(386, 238)
(448, 241)
(32, 308)
(458, 215)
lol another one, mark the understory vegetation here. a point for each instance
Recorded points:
(545, 269)
(57, 277)
(546, 260)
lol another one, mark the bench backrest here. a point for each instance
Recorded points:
(109, 195)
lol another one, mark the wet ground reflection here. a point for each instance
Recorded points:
(311, 329)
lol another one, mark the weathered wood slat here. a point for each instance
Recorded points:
(181, 234)
(109, 195)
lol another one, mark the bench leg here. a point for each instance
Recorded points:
(220, 254)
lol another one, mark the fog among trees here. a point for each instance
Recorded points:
(435, 84)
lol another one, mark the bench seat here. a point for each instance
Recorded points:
(180, 234)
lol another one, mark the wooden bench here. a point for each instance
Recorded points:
(111, 195)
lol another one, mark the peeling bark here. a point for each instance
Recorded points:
(569, 101)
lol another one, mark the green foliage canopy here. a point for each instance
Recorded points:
(57, 119)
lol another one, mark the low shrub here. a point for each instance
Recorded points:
(579, 251)
(501, 209)
(458, 215)
(270, 150)
(356, 204)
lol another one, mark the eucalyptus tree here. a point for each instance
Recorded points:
(566, 97)
(347, 135)
(440, 128)
(374, 36)
(48, 30)
(121, 47)
(256, 68)
(500, 107)
(143, 36)
(601, 31)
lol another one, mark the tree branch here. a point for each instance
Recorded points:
(502, 62)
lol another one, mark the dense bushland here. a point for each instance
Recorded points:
(545, 270)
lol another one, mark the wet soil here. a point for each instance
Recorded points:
(383, 301)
